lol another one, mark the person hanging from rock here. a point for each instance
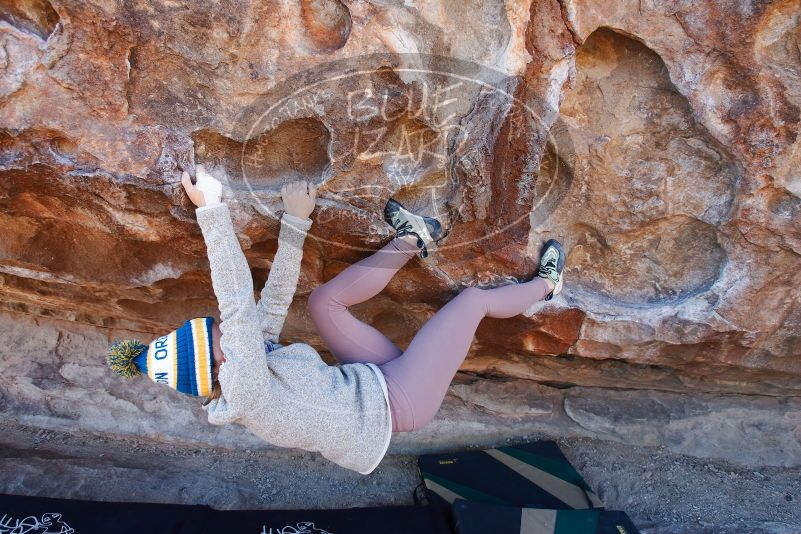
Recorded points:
(286, 394)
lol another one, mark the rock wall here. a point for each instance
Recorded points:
(56, 383)
(658, 141)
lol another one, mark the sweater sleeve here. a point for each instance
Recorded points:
(246, 367)
(278, 291)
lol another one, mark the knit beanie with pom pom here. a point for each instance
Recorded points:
(182, 359)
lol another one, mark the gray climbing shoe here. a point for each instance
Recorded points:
(552, 265)
(426, 229)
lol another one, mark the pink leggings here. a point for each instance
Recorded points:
(417, 379)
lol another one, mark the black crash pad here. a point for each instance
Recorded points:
(37, 515)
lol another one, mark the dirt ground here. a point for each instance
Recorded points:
(664, 493)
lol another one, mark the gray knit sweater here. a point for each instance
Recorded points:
(289, 397)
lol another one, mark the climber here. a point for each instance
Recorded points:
(286, 394)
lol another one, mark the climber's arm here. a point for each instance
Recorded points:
(278, 291)
(246, 362)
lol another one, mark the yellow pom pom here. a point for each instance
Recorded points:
(121, 356)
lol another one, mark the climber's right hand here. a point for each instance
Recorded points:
(207, 191)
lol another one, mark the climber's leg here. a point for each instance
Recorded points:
(349, 339)
(418, 379)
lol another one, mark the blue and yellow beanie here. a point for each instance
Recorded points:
(182, 359)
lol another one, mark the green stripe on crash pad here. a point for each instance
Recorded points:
(567, 492)
(576, 522)
(563, 470)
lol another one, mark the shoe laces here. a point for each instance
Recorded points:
(549, 268)
(405, 228)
